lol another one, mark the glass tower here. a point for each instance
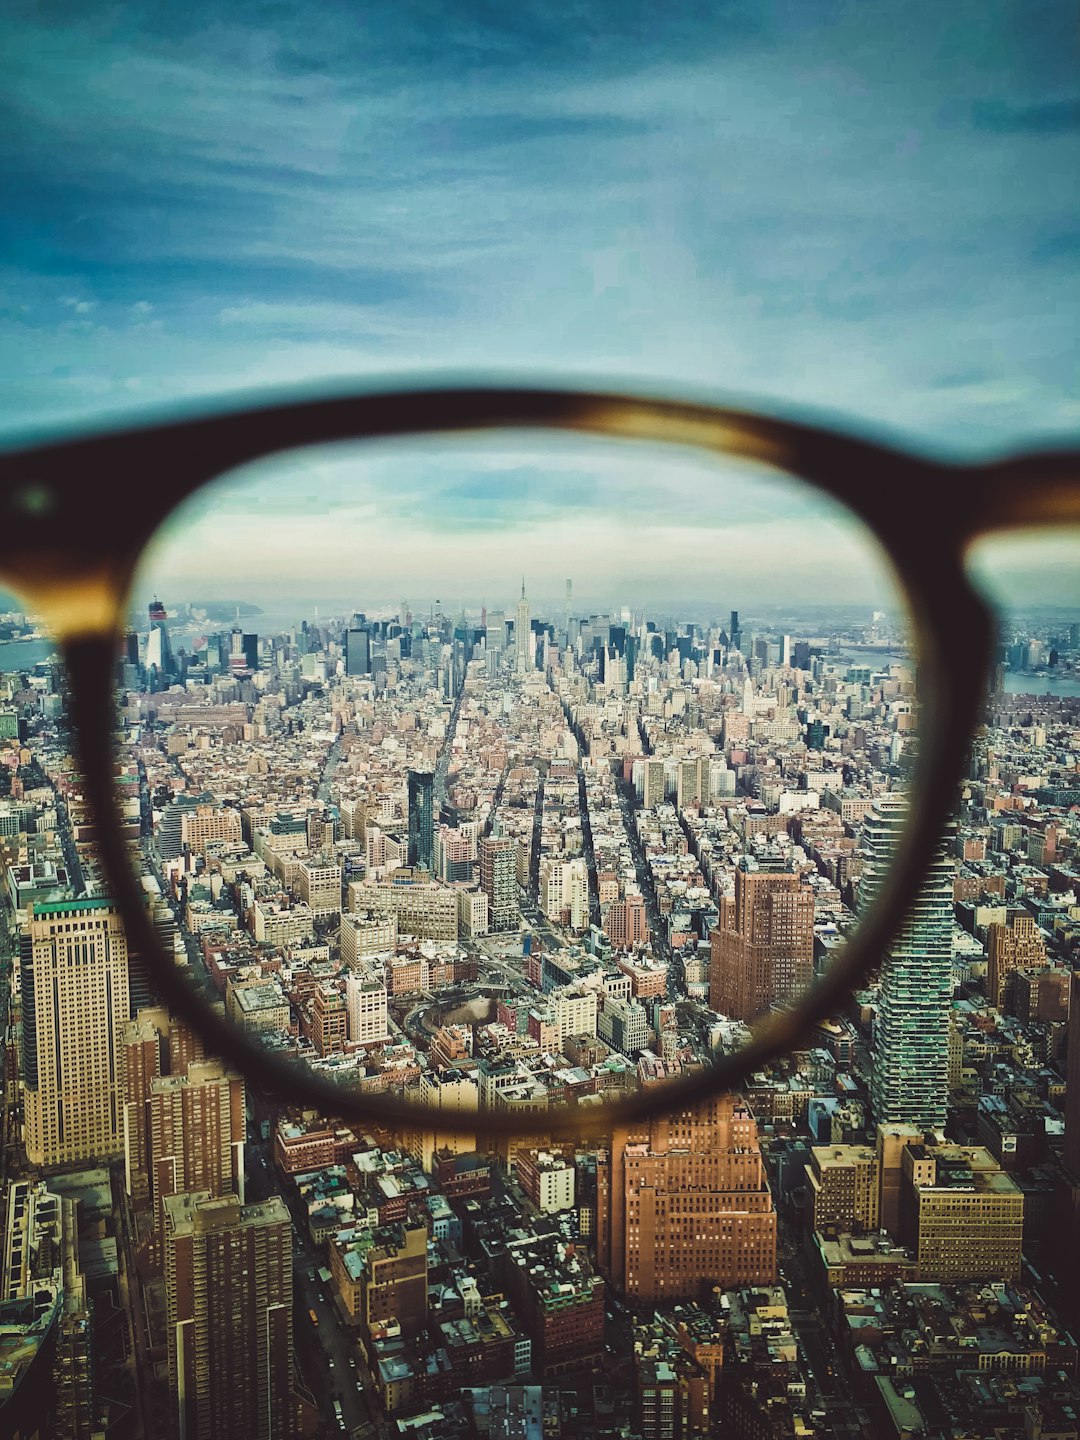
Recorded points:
(909, 1081)
(421, 786)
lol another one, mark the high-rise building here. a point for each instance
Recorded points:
(421, 785)
(329, 1020)
(358, 652)
(962, 1214)
(196, 1134)
(160, 663)
(74, 962)
(626, 923)
(495, 640)
(228, 1280)
(564, 891)
(365, 1004)
(1016, 945)
(455, 852)
(523, 641)
(144, 1040)
(1072, 1085)
(498, 880)
(910, 1079)
(683, 1203)
(843, 1189)
(762, 950)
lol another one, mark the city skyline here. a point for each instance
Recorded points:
(536, 866)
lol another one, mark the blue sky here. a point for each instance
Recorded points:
(867, 211)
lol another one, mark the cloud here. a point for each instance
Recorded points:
(1055, 117)
(706, 198)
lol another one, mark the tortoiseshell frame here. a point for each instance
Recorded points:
(76, 514)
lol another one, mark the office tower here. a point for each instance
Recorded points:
(144, 1041)
(329, 1020)
(74, 963)
(1072, 1085)
(250, 647)
(495, 640)
(523, 640)
(762, 950)
(626, 923)
(160, 663)
(909, 1080)
(816, 733)
(318, 878)
(196, 1134)
(843, 1189)
(228, 1280)
(653, 783)
(365, 1005)
(237, 659)
(569, 602)
(454, 855)
(683, 1204)
(961, 1213)
(358, 652)
(1016, 945)
(498, 880)
(421, 786)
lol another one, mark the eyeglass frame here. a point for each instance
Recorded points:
(76, 515)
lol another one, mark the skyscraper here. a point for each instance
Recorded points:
(228, 1281)
(196, 1133)
(762, 949)
(909, 1080)
(1072, 1085)
(74, 962)
(495, 640)
(159, 657)
(1016, 945)
(683, 1204)
(498, 880)
(523, 635)
(421, 786)
(358, 652)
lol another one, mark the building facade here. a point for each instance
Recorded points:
(498, 880)
(909, 1080)
(228, 1279)
(74, 962)
(764, 954)
(683, 1202)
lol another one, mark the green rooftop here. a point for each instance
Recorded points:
(58, 907)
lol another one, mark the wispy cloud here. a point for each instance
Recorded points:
(767, 198)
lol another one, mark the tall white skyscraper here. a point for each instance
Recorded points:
(523, 635)
(909, 1080)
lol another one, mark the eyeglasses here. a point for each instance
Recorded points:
(79, 517)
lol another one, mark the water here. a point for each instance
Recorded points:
(1017, 683)
(25, 654)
